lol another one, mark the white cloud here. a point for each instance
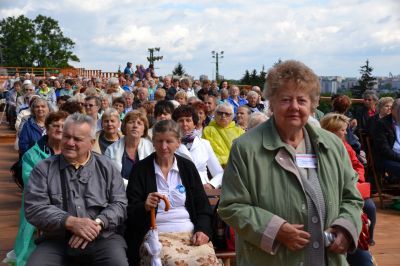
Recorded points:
(333, 36)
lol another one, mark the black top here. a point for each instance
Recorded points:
(104, 143)
(142, 182)
(385, 137)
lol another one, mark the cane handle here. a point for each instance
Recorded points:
(153, 224)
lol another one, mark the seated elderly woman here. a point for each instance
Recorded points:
(383, 108)
(337, 124)
(242, 116)
(110, 133)
(34, 128)
(289, 189)
(253, 102)
(221, 131)
(199, 149)
(45, 147)
(387, 142)
(367, 110)
(184, 230)
(134, 146)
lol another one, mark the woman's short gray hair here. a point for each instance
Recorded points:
(225, 105)
(252, 93)
(113, 81)
(382, 102)
(78, 118)
(164, 126)
(36, 102)
(255, 119)
(110, 112)
(304, 78)
(370, 93)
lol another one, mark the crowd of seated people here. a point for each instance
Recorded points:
(126, 110)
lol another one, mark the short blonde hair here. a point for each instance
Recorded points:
(334, 121)
(304, 78)
(181, 94)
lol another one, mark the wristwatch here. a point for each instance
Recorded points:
(99, 222)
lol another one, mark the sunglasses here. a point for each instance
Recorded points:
(223, 113)
(89, 105)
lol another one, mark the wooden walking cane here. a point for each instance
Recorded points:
(153, 224)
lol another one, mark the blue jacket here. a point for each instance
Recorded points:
(241, 101)
(30, 133)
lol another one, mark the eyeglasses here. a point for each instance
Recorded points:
(89, 105)
(223, 113)
(56, 125)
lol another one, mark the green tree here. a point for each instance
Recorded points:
(367, 81)
(17, 38)
(178, 70)
(262, 77)
(246, 78)
(39, 42)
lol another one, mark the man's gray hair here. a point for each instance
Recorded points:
(113, 81)
(78, 118)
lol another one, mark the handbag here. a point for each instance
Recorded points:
(223, 234)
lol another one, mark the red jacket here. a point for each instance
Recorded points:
(363, 187)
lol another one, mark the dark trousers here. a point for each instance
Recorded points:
(370, 210)
(108, 251)
(393, 169)
(360, 258)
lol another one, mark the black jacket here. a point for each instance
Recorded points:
(385, 137)
(142, 182)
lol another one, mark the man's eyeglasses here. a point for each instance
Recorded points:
(223, 113)
(89, 105)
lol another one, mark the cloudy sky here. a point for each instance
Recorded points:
(332, 37)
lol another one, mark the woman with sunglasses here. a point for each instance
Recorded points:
(221, 131)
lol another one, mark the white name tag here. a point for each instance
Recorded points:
(306, 160)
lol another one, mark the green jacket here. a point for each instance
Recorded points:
(261, 189)
(24, 242)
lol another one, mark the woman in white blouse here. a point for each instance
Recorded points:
(200, 149)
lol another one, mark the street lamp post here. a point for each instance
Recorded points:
(153, 58)
(217, 56)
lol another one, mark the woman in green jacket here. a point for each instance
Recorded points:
(47, 146)
(289, 190)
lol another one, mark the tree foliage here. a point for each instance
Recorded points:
(39, 42)
(366, 82)
(178, 70)
(253, 78)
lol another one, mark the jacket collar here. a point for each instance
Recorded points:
(272, 141)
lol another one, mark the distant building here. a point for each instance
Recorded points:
(330, 84)
(348, 83)
(203, 77)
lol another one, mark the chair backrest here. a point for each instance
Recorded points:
(213, 196)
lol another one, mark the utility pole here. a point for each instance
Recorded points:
(217, 55)
(153, 58)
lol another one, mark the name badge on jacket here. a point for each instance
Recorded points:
(306, 160)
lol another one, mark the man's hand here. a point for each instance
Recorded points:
(293, 236)
(199, 238)
(152, 200)
(83, 227)
(341, 243)
(77, 241)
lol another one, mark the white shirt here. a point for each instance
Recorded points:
(177, 219)
(203, 156)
